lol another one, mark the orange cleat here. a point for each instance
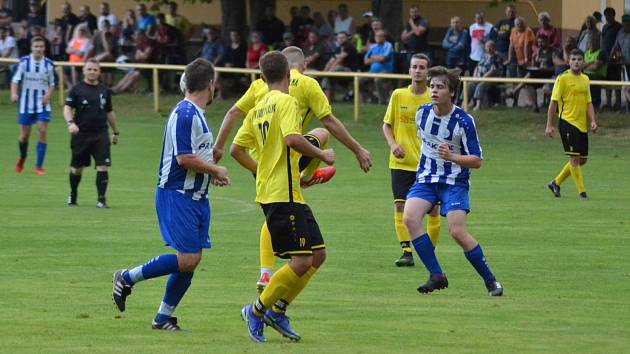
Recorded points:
(39, 171)
(19, 165)
(262, 283)
(321, 175)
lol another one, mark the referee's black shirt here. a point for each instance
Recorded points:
(91, 104)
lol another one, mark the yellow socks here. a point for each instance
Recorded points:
(433, 229)
(401, 232)
(576, 173)
(267, 259)
(293, 292)
(566, 171)
(279, 285)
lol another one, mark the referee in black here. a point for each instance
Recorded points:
(88, 111)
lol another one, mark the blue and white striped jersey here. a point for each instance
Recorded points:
(35, 78)
(457, 130)
(186, 133)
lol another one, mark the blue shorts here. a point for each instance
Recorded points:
(452, 197)
(184, 222)
(32, 118)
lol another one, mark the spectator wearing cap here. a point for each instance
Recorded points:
(344, 59)
(343, 22)
(380, 59)
(86, 17)
(589, 29)
(548, 30)
(415, 34)
(364, 32)
(503, 29)
(6, 15)
(479, 33)
(607, 41)
(271, 28)
(622, 48)
(178, 21)
(145, 21)
(35, 16)
(106, 15)
(255, 50)
(456, 44)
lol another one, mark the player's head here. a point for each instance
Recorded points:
(295, 57)
(92, 70)
(418, 67)
(38, 46)
(275, 68)
(200, 78)
(576, 60)
(443, 84)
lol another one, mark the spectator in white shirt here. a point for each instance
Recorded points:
(479, 33)
(106, 15)
(8, 49)
(343, 22)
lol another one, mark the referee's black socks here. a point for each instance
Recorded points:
(102, 177)
(74, 184)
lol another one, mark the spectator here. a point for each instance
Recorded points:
(24, 43)
(77, 49)
(542, 68)
(287, 40)
(344, 59)
(146, 52)
(415, 34)
(380, 58)
(315, 52)
(35, 16)
(255, 50)
(548, 30)
(170, 46)
(58, 44)
(305, 13)
(490, 65)
(589, 30)
(479, 33)
(560, 59)
(598, 20)
(343, 22)
(323, 28)
(86, 16)
(145, 21)
(6, 15)
(103, 47)
(331, 17)
(213, 49)
(364, 32)
(67, 22)
(271, 28)
(129, 25)
(456, 43)
(521, 47)
(608, 38)
(595, 67)
(178, 21)
(622, 48)
(502, 31)
(236, 52)
(297, 22)
(8, 50)
(106, 15)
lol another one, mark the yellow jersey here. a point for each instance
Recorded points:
(572, 93)
(264, 129)
(401, 116)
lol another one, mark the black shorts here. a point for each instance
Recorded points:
(293, 229)
(87, 145)
(305, 160)
(574, 141)
(401, 182)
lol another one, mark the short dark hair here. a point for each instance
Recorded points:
(577, 51)
(198, 73)
(421, 56)
(610, 10)
(274, 67)
(451, 76)
(93, 61)
(38, 39)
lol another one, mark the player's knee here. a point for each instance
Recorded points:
(574, 161)
(457, 231)
(102, 168)
(321, 134)
(411, 222)
(187, 262)
(319, 257)
(301, 264)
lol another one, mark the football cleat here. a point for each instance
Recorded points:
(72, 200)
(280, 322)
(494, 288)
(555, 189)
(39, 171)
(583, 196)
(120, 290)
(101, 204)
(262, 282)
(435, 282)
(255, 324)
(406, 260)
(168, 325)
(19, 165)
(321, 175)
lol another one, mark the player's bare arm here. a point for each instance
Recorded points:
(14, 92)
(339, 131)
(298, 143)
(233, 115)
(47, 95)
(468, 161)
(394, 147)
(194, 163)
(68, 116)
(591, 116)
(111, 120)
(241, 156)
(550, 131)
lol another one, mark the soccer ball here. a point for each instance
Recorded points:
(182, 84)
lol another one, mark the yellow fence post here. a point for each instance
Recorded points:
(356, 98)
(465, 93)
(156, 90)
(62, 88)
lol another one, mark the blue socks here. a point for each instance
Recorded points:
(426, 252)
(176, 287)
(478, 260)
(155, 267)
(41, 154)
(23, 149)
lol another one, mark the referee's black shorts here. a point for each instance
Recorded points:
(574, 141)
(402, 180)
(87, 145)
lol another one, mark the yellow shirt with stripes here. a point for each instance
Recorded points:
(401, 116)
(572, 93)
(266, 125)
(312, 102)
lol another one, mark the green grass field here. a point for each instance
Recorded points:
(564, 263)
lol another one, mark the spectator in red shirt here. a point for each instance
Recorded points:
(255, 50)
(548, 30)
(146, 52)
